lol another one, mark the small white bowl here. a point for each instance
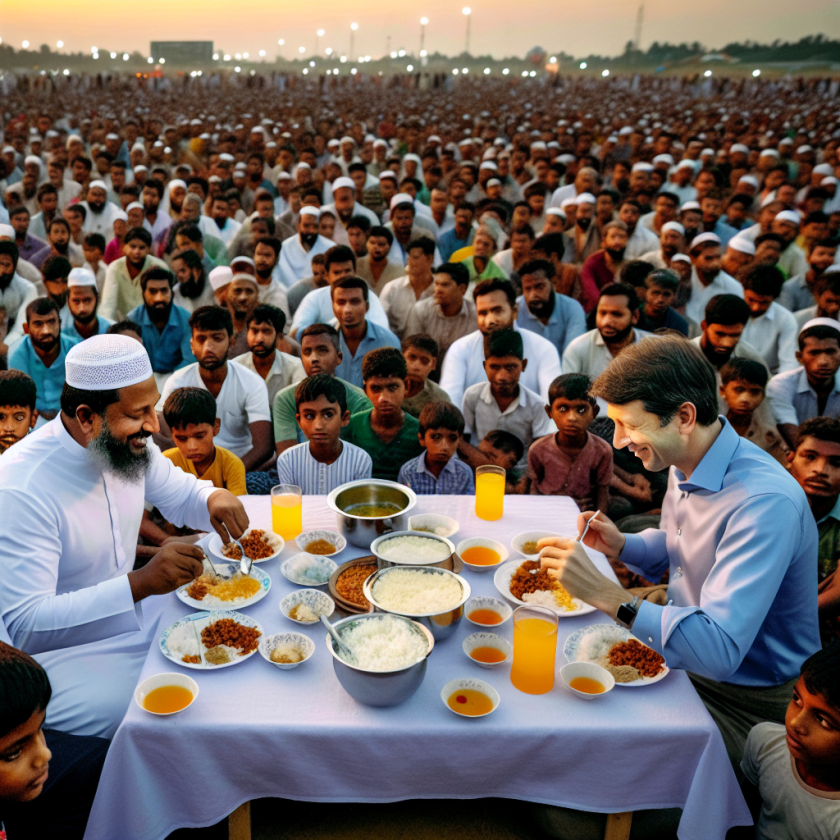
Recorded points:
(476, 685)
(587, 669)
(483, 542)
(530, 536)
(424, 521)
(482, 602)
(214, 545)
(492, 640)
(316, 600)
(316, 561)
(304, 643)
(330, 536)
(159, 680)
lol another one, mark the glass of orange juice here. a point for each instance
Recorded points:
(489, 492)
(286, 511)
(534, 649)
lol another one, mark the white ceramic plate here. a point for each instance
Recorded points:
(615, 634)
(203, 619)
(257, 574)
(214, 546)
(502, 580)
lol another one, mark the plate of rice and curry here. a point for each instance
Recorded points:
(615, 648)
(209, 640)
(525, 583)
(230, 591)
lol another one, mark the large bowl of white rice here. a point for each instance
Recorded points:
(389, 656)
(433, 597)
(413, 548)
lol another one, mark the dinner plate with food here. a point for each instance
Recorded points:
(260, 545)
(524, 583)
(229, 591)
(615, 648)
(206, 641)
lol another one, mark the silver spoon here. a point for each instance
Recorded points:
(348, 654)
(244, 561)
(581, 537)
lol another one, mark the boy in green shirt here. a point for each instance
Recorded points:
(420, 352)
(386, 432)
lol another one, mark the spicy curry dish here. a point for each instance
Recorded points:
(532, 584)
(256, 546)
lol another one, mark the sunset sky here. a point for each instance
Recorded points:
(499, 27)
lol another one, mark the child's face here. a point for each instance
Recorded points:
(820, 357)
(440, 445)
(24, 760)
(813, 727)
(15, 423)
(572, 417)
(503, 372)
(195, 440)
(505, 460)
(419, 363)
(92, 255)
(321, 420)
(657, 300)
(742, 397)
(386, 393)
(815, 464)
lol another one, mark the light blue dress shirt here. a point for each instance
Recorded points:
(741, 543)
(566, 322)
(376, 336)
(794, 401)
(49, 381)
(168, 350)
(70, 328)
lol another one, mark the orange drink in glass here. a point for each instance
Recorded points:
(489, 492)
(534, 649)
(286, 511)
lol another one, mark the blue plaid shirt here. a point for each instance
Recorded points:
(456, 478)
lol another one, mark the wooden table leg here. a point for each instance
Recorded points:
(618, 826)
(239, 823)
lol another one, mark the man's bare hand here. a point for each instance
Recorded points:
(603, 536)
(226, 511)
(172, 566)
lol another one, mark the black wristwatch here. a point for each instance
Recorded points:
(627, 613)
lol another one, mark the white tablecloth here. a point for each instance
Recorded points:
(256, 731)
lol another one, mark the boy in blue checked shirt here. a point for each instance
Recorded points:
(436, 471)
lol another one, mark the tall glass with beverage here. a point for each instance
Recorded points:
(286, 511)
(534, 649)
(489, 492)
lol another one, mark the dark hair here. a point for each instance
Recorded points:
(190, 231)
(153, 184)
(441, 415)
(741, 369)
(423, 342)
(550, 244)
(322, 329)
(95, 240)
(40, 306)
(273, 242)
(487, 287)
(665, 278)
(385, 361)
(672, 197)
(820, 428)
(19, 211)
(96, 401)
(381, 230)
(125, 326)
(527, 230)
(538, 267)
(465, 205)
(211, 318)
(77, 208)
(663, 373)
(457, 271)
(138, 233)
(635, 272)
(828, 283)
(506, 442)
(189, 405)
(265, 313)
(770, 237)
(340, 254)
(11, 250)
(24, 688)
(501, 343)
(745, 200)
(764, 280)
(726, 311)
(572, 386)
(621, 290)
(56, 268)
(157, 273)
(425, 243)
(351, 282)
(820, 332)
(16, 388)
(45, 189)
(821, 673)
(320, 385)
(268, 221)
(360, 222)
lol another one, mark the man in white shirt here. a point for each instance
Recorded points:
(400, 296)
(641, 240)
(226, 227)
(707, 278)
(786, 224)
(772, 330)
(671, 243)
(15, 292)
(75, 490)
(402, 225)
(344, 206)
(100, 212)
(271, 291)
(296, 253)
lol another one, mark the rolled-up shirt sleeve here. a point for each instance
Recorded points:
(180, 497)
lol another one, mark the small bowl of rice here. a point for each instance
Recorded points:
(413, 548)
(286, 650)
(433, 523)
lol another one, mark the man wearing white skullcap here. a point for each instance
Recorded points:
(671, 242)
(75, 490)
(344, 206)
(792, 261)
(297, 251)
(100, 212)
(82, 302)
(707, 277)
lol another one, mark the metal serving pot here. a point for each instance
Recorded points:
(361, 531)
(447, 562)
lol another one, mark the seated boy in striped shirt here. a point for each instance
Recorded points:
(325, 461)
(436, 471)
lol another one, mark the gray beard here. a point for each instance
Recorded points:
(116, 456)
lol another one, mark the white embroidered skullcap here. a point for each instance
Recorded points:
(334, 142)
(492, 182)
(140, 168)
(177, 182)
(488, 164)
(690, 205)
(387, 173)
(568, 202)
(790, 216)
(282, 175)
(829, 181)
(704, 238)
(246, 260)
(227, 156)
(121, 215)
(686, 164)
(241, 275)
(105, 362)
(32, 159)
(585, 198)
(7, 231)
(566, 159)
(681, 258)
(739, 147)
(347, 139)
(665, 158)
(674, 226)
(742, 245)
(309, 210)
(80, 277)
(642, 167)
(814, 322)
(556, 211)
(341, 183)
(219, 277)
(786, 141)
(303, 165)
(379, 142)
(823, 169)
(401, 198)
(749, 179)
(112, 136)
(769, 153)
(135, 205)
(97, 185)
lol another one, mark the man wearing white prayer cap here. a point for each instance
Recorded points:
(100, 212)
(344, 206)
(739, 252)
(82, 303)
(219, 279)
(671, 242)
(297, 251)
(707, 277)
(786, 224)
(75, 490)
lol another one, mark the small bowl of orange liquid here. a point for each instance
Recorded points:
(480, 554)
(470, 698)
(487, 612)
(166, 694)
(587, 680)
(488, 649)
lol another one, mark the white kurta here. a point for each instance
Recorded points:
(296, 263)
(65, 596)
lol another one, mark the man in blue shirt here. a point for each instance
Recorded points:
(736, 534)
(558, 318)
(41, 353)
(82, 303)
(357, 335)
(166, 329)
(459, 236)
